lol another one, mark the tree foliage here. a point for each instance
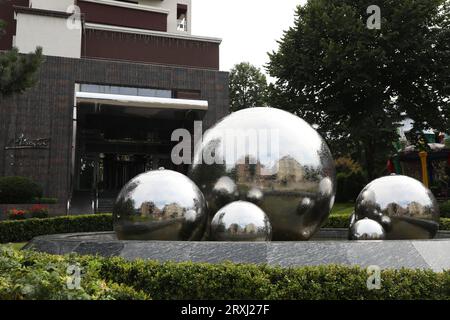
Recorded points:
(17, 71)
(248, 87)
(358, 83)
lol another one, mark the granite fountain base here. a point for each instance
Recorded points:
(328, 247)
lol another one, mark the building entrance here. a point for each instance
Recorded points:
(115, 144)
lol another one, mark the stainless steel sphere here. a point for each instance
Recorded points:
(160, 205)
(367, 229)
(241, 221)
(402, 205)
(273, 159)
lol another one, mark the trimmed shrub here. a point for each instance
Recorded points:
(45, 200)
(445, 209)
(445, 224)
(343, 221)
(179, 281)
(25, 230)
(15, 190)
(32, 276)
(338, 221)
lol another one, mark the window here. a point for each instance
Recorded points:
(128, 91)
(188, 94)
(182, 22)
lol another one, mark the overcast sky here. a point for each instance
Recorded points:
(249, 28)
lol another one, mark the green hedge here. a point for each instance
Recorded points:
(45, 200)
(231, 281)
(337, 221)
(18, 190)
(25, 230)
(342, 221)
(445, 209)
(30, 275)
(445, 224)
(27, 275)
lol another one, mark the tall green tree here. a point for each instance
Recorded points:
(248, 87)
(357, 83)
(17, 71)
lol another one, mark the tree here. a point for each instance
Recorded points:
(355, 83)
(17, 71)
(248, 87)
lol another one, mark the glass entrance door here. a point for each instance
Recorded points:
(116, 170)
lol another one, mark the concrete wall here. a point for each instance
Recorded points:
(53, 5)
(46, 111)
(7, 15)
(172, 17)
(49, 32)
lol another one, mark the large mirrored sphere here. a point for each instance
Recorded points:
(241, 221)
(367, 229)
(160, 205)
(273, 159)
(402, 205)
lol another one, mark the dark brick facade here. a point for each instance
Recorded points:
(152, 49)
(120, 16)
(46, 111)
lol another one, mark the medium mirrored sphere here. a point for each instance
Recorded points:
(241, 221)
(160, 205)
(273, 159)
(367, 229)
(402, 205)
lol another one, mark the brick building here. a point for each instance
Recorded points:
(118, 78)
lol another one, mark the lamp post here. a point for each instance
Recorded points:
(423, 160)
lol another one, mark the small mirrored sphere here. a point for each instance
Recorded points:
(402, 205)
(241, 221)
(224, 191)
(255, 196)
(160, 205)
(273, 159)
(367, 229)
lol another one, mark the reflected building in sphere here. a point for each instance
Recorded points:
(290, 175)
(402, 205)
(160, 205)
(241, 221)
(367, 229)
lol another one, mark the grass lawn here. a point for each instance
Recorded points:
(343, 209)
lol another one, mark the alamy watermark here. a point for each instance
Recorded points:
(374, 20)
(74, 280)
(374, 279)
(227, 146)
(73, 22)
